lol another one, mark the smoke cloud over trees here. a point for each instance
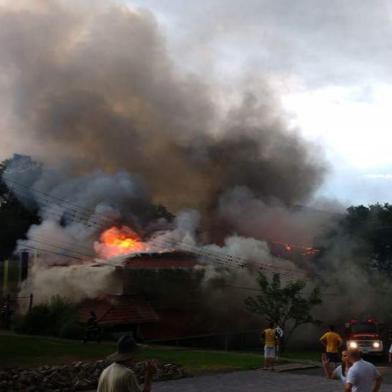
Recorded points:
(87, 87)
(91, 90)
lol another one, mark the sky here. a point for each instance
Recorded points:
(328, 62)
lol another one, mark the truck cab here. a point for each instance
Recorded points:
(364, 336)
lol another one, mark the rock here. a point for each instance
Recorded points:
(78, 376)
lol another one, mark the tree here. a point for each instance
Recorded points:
(58, 317)
(286, 306)
(15, 218)
(363, 234)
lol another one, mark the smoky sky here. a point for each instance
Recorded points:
(96, 88)
(340, 42)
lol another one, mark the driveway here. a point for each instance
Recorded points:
(255, 381)
(252, 381)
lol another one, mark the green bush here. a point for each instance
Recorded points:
(71, 329)
(49, 319)
(36, 322)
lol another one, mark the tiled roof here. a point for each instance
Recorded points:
(115, 310)
(164, 260)
(171, 325)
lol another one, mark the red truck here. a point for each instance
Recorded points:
(367, 336)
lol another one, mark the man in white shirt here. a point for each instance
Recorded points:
(279, 340)
(390, 354)
(118, 377)
(362, 375)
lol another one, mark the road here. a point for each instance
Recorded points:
(254, 381)
(259, 381)
(385, 370)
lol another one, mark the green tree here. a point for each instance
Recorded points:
(285, 305)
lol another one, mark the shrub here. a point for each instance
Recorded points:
(71, 329)
(48, 319)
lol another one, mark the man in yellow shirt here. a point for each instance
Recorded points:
(332, 341)
(269, 347)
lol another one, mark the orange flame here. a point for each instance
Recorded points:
(119, 241)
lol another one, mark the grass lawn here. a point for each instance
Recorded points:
(303, 355)
(31, 351)
(203, 361)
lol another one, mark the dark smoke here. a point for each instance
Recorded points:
(89, 87)
(92, 91)
(241, 211)
(96, 88)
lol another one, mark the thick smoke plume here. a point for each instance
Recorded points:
(243, 212)
(74, 211)
(95, 87)
(90, 89)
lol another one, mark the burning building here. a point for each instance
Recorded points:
(138, 267)
(118, 131)
(158, 294)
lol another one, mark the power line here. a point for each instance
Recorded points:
(222, 258)
(114, 266)
(63, 249)
(42, 247)
(34, 248)
(46, 198)
(62, 211)
(65, 244)
(88, 212)
(225, 258)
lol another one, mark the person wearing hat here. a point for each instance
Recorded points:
(118, 377)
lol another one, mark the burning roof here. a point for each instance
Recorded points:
(123, 244)
(117, 241)
(162, 260)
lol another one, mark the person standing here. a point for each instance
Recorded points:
(269, 347)
(279, 341)
(92, 330)
(332, 341)
(362, 376)
(118, 377)
(6, 313)
(340, 373)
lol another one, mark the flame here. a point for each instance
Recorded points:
(118, 241)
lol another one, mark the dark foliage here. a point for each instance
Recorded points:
(58, 318)
(287, 306)
(15, 218)
(366, 234)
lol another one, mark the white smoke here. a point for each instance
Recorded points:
(74, 211)
(74, 282)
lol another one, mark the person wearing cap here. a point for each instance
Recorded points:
(118, 377)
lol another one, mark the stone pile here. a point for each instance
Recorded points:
(78, 376)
